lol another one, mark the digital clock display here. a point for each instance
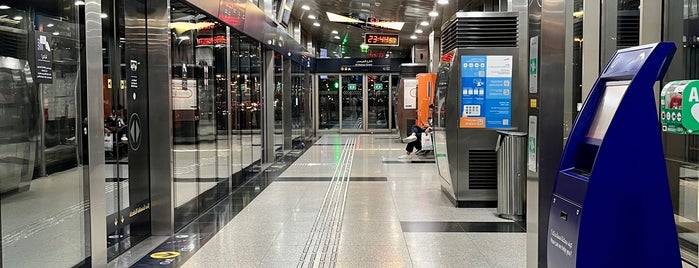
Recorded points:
(381, 39)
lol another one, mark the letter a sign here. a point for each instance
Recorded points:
(690, 108)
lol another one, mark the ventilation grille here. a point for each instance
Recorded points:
(628, 23)
(412, 69)
(482, 169)
(473, 30)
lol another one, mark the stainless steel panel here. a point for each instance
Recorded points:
(550, 130)
(160, 119)
(512, 174)
(268, 107)
(591, 33)
(95, 133)
(532, 217)
(608, 29)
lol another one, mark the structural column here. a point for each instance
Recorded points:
(267, 103)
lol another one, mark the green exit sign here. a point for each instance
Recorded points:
(378, 86)
(352, 86)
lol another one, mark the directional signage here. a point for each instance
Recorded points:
(135, 132)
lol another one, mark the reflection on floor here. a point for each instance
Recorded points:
(48, 219)
(340, 198)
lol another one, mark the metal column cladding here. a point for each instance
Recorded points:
(160, 119)
(95, 132)
(136, 56)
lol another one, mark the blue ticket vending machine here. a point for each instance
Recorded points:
(611, 204)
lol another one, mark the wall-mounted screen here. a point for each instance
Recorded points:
(285, 11)
(606, 109)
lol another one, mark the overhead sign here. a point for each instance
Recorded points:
(376, 39)
(486, 92)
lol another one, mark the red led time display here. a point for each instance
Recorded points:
(381, 39)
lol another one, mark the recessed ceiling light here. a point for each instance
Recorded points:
(313, 17)
(49, 25)
(104, 16)
(433, 13)
(316, 24)
(4, 7)
(419, 31)
(337, 37)
(425, 23)
(56, 33)
(442, 2)
(79, 3)
(17, 18)
(334, 32)
(413, 37)
(305, 7)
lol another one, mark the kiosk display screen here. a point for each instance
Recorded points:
(606, 109)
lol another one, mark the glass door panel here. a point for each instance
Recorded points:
(378, 101)
(395, 82)
(352, 100)
(328, 102)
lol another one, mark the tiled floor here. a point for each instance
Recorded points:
(350, 202)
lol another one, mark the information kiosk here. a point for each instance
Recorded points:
(611, 204)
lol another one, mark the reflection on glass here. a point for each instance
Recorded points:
(328, 104)
(682, 151)
(42, 197)
(395, 82)
(278, 101)
(248, 99)
(352, 100)
(378, 100)
(200, 120)
(298, 100)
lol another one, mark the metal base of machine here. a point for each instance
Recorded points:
(469, 203)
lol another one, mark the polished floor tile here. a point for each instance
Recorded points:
(392, 213)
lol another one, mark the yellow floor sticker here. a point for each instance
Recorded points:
(164, 255)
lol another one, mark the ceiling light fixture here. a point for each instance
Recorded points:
(433, 13)
(305, 7)
(184, 37)
(56, 33)
(49, 25)
(337, 37)
(425, 23)
(313, 17)
(4, 7)
(79, 3)
(334, 32)
(104, 16)
(442, 2)
(316, 24)
(419, 31)
(17, 18)
(413, 37)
